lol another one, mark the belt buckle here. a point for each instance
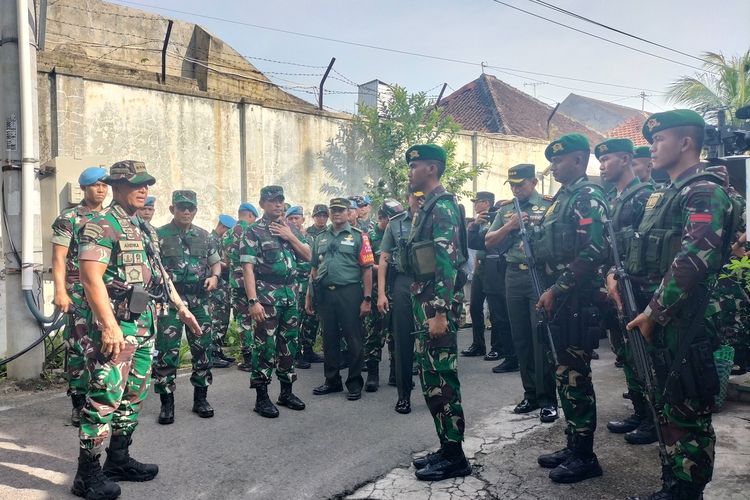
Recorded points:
(523, 267)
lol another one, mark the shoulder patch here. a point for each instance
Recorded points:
(92, 231)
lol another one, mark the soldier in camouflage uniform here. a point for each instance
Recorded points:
(269, 252)
(683, 242)
(436, 249)
(642, 164)
(626, 207)
(295, 218)
(362, 209)
(147, 212)
(219, 299)
(246, 215)
(69, 296)
(309, 323)
(194, 267)
(570, 245)
(119, 270)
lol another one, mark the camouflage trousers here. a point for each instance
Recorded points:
(375, 334)
(168, 340)
(308, 326)
(116, 390)
(241, 310)
(438, 373)
(75, 337)
(275, 345)
(219, 308)
(576, 391)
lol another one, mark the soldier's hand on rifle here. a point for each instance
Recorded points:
(437, 326)
(62, 300)
(211, 283)
(546, 302)
(113, 340)
(614, 291)
(258, 312)
(383, 305)
(513, 221)
(189, 320)
(645, 324)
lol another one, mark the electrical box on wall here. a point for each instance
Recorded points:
(73, 194)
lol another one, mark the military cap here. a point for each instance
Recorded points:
(227, 221)
(130, 171)
(642, 152)
(320, 209)
(390, 208)
(613, 146)
(248, 207)
(426, 152)
(484, 196)
(91, 176)
(671, 119)
(567, 144)
(271, 193)
(185, 196)
(339, 203)
(519, 173)
(295, 210)
(150, 200)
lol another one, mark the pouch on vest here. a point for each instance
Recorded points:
(271, 251)
(422, 260)
(197, 245)
(591, 328)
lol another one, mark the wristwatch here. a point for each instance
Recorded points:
(252, 302)
(368, 298)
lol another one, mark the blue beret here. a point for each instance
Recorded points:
(367, 200)
(150, 200)
(353, 204)
(227, 220)
(248, 207)
(295, 210)
(91, 176)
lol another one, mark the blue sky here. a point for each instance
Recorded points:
(475, 31)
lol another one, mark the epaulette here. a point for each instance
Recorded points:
(548, 197)
(355, 228)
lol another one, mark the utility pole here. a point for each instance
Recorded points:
(643, 97)
(534, 85)
(19, 158)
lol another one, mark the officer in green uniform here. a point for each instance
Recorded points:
(626, 207)
(69, 297)
(219, 299)
(120, 273)
(309, 324)
(537, 372)
(436, 250)
(194, 267)
(394, 298)
(642, 164)
(246, 215)
(269, 252)
(683, 242)
(147, 212)
(374, 326)
(341, 281)
(571, 246)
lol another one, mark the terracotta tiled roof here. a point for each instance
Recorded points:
(490, 105)
(630, 129)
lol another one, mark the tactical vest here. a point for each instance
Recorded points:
(659, 236)
(400, 232)
(173, 254)
(625, 230)
(554, 239)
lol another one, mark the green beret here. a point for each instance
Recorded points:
(519, 173)
(567, 144)
(340, 203)
(271, 193)
(642, 152)
(185, 196)
(426, 152)
(671, 119)
(613, 146)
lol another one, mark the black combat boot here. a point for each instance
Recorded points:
(430, 458)
(301, 362)
(581, 464)
(452, 463)
(166, 414)
(78, 401)
(247, 362)
(392, 372)
(674, 490)
(288, 399)
(644, 434)
(263, 405)
(373, 376)
(201, 405)
(552, 460)
(120, 466)
(90, 482)
(218, 361)
(311, 356)
(626, 425)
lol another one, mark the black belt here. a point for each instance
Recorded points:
(337, 287)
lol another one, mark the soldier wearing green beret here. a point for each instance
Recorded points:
(503, 239)
(570, 245)
(684, 240)
(626, 206)
(436, 250)
(642, 163)
(270, 250)
(193, 264)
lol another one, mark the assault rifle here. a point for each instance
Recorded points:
(542, 324)
(644, 367)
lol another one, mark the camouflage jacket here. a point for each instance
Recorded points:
(216, 241)
(115, 238)
(187, 255)
(444, 232)
(701, 210)
(66, 232)
(274, 263)
(313, 232)
(231, 246)
(303, 268)
(365, 225)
